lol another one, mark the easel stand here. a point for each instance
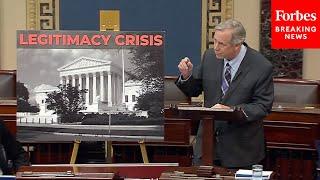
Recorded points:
(108, 151)
(143, 150)
(75, 150)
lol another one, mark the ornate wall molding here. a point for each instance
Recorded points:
(287, 63)
(43, 14)
(216, 11)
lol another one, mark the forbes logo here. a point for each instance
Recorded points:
(281, 15)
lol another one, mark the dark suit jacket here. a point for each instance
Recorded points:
(13, 151)
(238, 144)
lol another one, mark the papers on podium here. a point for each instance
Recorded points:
(247, 174)
(197, 108)
(226, 114)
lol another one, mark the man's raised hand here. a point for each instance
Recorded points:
(185, 67)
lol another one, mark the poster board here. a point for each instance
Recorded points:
(89, 85)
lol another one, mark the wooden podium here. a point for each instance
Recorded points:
(95, 171)
(208, 116)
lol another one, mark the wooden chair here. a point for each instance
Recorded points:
(7, 84)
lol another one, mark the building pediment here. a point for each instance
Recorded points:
(45, 88)
(84, 62)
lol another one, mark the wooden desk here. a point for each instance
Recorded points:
(90, 170)
(291, 131)
(65, 175)
(118, 171)
(195, 172)
(292, 127)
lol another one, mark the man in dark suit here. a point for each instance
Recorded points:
(232, 75)
(12, 155)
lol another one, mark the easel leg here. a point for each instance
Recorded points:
(75, 150)
(143, 150)
(109, 151)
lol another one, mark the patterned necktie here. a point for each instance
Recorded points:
(227, 79)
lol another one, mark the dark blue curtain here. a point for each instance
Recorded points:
(180, 19)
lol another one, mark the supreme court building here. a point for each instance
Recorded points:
(102, 79)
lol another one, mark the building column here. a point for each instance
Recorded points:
(94, 88)
(87, 87)
(61, 80)
(80, 82)
(109, 90)
(120, 89)
(73, 78)
(67, 80)
(101, 86)
(114, 89)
